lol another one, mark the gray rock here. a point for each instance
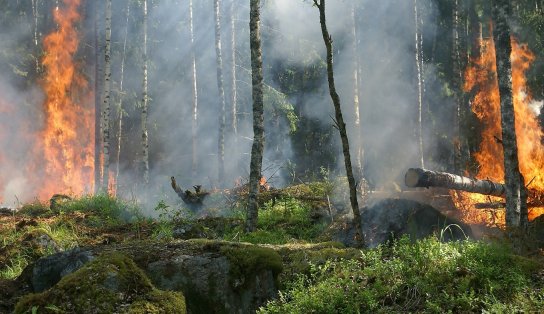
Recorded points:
(207, 285)
(49, 270)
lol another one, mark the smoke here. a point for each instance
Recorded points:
(291, 35)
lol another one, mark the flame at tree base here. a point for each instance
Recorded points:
(481, 78)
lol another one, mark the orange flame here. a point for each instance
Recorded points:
(481, 77)
(65, 144)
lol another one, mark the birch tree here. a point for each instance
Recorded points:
(219, 61)
(419, 88)
(234, 100)
(355, 79)
(340, 125)
(145, 143)
(106, 102)
(457, 81)
(194, 119)
(120, 110)
(257, 148)
(516, 195)
(97, 104)
(35, 6)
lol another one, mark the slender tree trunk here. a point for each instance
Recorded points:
(219, 60)
(457, 81)
(234, 100)
(145, 143)
(419, 88)
(35, 5)
(120, 104)
(98, 105)
(107, 100)
(516, 196)
(194, 119)
(340, 124)
(356, 109)
(257, 148)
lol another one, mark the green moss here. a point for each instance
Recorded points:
(109, 282)
(300, 259)
(248, 260)
(159, 302)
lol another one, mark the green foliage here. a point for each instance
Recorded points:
(108, 209)
(426, 276)
(276, 102)
(35, 209)
(281, 221)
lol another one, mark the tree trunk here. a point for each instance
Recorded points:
(145, 143)
(234, 100)
(356, 109)
(258, 115)
(106, 105)
(419, 88)
(98, 105)
(120, 104)
(417, 177)
(340, 124)
(35, 5)
(219, 60)
(194, 119)
(516, 196)
(458, 163)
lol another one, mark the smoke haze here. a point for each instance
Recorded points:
(291, 33)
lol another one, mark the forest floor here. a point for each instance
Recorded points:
(426, 275)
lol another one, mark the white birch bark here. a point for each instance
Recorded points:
(106, 106)
(145, 142)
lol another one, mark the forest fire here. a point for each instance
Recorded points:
(481, 78)
(64, 159)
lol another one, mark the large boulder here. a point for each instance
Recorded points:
(215, 276)
(110, 283)
(389, 219)
(47, 271)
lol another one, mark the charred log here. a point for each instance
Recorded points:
(418, 177)
(193, 199)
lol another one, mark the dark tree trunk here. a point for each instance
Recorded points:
(516, 196)
(340, 124)
(258, 115)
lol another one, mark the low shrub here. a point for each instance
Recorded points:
(425, 276)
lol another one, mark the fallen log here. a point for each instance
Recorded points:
(418, 177)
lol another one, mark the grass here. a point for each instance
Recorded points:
(279, 222)
(72, 223)
(425, 276)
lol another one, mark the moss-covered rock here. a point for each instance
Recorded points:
(299, 258)
(109, 283)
